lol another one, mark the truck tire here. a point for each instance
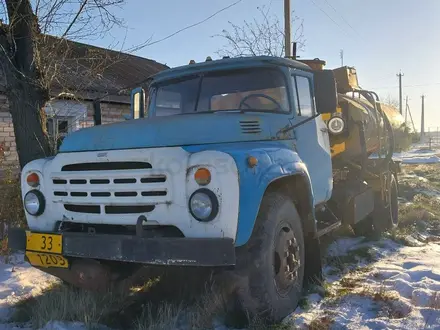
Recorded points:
(272, 262)
(384, 216)
(364, 227)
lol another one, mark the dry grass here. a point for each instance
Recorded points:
(144, 307)
(165, 317)
(11, 206)
(421, 213)
(435, 301)
(350, 261)
(199, 315)
(60, 302)
(321, 322)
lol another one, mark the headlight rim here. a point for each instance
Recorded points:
(336, 118)
(41, 200)
(214, 202)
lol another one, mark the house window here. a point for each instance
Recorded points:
(64, 117)
(62, 126)
(59, 127)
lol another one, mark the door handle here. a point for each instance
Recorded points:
(324, 129)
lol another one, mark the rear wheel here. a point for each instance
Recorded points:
(273, 260)
(385, 214)
(364, 227)
(386, 217)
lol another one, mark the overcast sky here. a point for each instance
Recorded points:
(379, 38)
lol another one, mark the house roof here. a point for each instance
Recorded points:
(89, 71)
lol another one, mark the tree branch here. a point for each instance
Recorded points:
(263, 36)
(149, 42)
(80, 10)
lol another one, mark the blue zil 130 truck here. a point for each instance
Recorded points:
(237, 163)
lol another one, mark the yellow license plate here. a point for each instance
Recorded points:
(51, 243)
(47, 260)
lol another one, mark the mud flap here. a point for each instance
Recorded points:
(313, 267)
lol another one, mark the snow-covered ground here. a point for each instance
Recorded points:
(399, 291)
(421, 155)
(368, 284)
(18, 280)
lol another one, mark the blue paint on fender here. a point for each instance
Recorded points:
(275, 159)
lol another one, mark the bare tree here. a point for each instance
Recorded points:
(392, 101)
(33, 62)
(261, 36)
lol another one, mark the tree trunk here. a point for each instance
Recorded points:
(28, 117)
(26, 91)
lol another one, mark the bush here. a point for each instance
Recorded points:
(11, 206)
(403, 138)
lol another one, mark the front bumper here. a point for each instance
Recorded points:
(207, 252)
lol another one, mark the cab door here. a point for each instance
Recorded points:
(312, 139)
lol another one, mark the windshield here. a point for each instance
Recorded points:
(244, 90)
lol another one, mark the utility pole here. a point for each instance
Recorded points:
(412, 121)
(341, 54)
(422, 128)
(400, 75)
(287, 42)
(406, 109)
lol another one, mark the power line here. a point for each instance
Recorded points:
(342, 17)
(148, 43)
(382, 78)
(406, 86)
(329, 17)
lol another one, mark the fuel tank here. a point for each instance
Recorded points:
(363, 119)
(370, 126)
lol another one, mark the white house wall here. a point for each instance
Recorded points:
(111, 112)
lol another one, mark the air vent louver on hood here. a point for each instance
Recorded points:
(250, 126)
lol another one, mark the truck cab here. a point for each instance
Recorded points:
(226, 164)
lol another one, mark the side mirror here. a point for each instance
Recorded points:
(326, 95)
(137, 103)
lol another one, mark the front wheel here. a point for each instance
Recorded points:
(273, 259)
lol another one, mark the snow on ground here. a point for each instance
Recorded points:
(18, 280)
(419, 156)
(416, 155)
(399, 291)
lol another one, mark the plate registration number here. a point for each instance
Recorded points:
(51, 243)
(47, 260)
(44, 250)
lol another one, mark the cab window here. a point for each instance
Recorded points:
(304, 96)
(256, 89)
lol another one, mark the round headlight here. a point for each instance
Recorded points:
(203, 205)
(34, 202)
(336, 125)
